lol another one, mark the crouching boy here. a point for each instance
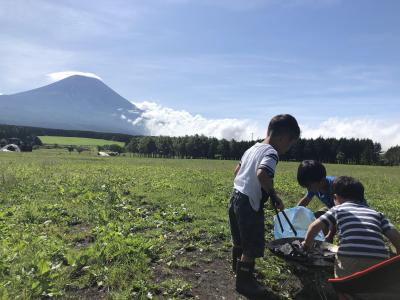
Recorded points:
(311, 174)
(253, 184)
(360, 229)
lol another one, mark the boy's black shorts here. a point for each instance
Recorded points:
(247, 225)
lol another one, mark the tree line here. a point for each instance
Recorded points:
(330, 150)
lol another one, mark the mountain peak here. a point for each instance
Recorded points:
(57, 76)
(78, 80)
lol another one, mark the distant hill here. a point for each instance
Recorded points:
(28, 134)
(74, 103)
(77, 141)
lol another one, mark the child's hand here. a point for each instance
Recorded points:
(278, 203)
(304, 246)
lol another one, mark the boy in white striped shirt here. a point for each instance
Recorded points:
(253, 184)
(360, 229)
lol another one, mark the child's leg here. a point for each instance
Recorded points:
(235, 232)
(251, 228)
(246, 258)
(347, 265)
(237, 252)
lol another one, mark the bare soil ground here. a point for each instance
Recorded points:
(212, 278)
(209, 279)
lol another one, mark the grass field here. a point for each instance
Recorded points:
(80, 226)
(76, 141)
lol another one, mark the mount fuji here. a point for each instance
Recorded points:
(74, 103)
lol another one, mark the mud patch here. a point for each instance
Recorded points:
(92, 293)
(209, 277)
(80, 235)
(306, 283)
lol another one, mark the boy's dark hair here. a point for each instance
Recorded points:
(310, 171)
(348, 188)
(284, 124)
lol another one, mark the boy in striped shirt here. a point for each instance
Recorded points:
(360, 229)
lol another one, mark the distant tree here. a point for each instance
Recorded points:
(191, 147)
(234, 150)
(164, 146)
(133, 145)
(37, 141)
(179, 145)
(114, 148)
(393, 155)
(212, 148)
(147, 145)
(223, 149)
(203, 145)
(340, 157)
(3, 142)
(367, 156)
(308, 149)
(377, 152)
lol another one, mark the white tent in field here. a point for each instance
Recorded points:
(103, 154)
(10, 148)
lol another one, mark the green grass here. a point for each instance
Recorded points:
(76, 141)
(74, 225)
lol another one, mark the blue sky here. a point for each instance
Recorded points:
(331, 63)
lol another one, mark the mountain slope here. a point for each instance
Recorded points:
(76, 102)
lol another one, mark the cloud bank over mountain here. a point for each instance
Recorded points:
(160, 120)
(385, 132)
(56, 76)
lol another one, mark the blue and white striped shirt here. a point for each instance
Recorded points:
(360, 230)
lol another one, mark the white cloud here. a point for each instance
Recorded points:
(161, 120)
(61, 75)
(385, 132)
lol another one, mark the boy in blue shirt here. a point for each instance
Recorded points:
(311, 175)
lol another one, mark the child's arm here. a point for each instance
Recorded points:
(304, 201)
(311, 233)
(268, 186)
(236, 170)
(394, 237)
